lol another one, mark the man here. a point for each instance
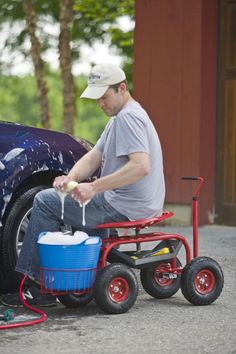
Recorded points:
(128, 153)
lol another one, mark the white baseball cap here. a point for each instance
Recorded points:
(100, 78)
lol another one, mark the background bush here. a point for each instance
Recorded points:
(18, 102)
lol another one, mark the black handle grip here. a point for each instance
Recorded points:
(191, 178)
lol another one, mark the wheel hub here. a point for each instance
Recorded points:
(118, 289)
(22, 231)
(162, 276)
(205, 281)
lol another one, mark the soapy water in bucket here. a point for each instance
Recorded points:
(71, 185)
(59, 238)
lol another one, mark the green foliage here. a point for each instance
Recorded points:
(93, 21)
(98, 20)
(90, 120)
(94, 17)
(18, 102)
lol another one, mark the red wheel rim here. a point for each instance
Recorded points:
(205, 281)
(118, 289)
(158, 274)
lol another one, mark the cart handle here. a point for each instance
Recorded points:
(200, 184)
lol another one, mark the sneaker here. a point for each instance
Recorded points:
(32, 296)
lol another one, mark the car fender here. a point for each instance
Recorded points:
(29, 154)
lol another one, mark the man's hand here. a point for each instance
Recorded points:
(60, 183)
(83, 192)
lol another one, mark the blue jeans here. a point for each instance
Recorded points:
(46, 216)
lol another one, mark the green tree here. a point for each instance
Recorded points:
(98, 21)
(93, 20)
(31, 20)
(65, 18)
(18, 102)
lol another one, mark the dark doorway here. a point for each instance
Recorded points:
(226, 117)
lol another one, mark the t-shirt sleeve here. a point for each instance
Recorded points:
(131, 135)
(99, 144)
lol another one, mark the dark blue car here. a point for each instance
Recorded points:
(30, 159)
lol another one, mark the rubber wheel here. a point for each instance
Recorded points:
(202, 281)
(74, 300)
(13, 234)
(116, 288)
(157, 286)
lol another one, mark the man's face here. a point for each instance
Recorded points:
(111, 102)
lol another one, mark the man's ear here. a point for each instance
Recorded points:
(122, 87)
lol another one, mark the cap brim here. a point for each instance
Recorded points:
(94, 92)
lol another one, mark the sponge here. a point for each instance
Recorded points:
(71, 185)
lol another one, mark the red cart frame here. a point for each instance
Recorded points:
(116, 287)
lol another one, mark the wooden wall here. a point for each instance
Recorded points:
(175, 80)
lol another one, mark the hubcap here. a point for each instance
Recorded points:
(205, 281)
(118, 289)
(21, 231)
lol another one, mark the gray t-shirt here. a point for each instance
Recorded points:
(128, 132)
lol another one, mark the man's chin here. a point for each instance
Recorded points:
(109, 114)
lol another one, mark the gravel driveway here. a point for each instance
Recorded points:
(151, 326)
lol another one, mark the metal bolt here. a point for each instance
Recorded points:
(202, 281)
(116, 289)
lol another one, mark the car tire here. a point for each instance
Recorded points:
(13, 233)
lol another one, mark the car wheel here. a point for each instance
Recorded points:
(13, 233)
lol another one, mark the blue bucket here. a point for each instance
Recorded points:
(69, 267)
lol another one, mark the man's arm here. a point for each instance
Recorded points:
(83, 169)
(86, 166)
(136, 168)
